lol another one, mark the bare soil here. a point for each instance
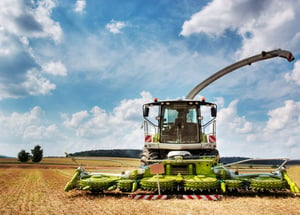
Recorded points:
(38, 190)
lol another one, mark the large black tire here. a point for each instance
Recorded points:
(149, 154)
(210, 152)
(213, 152)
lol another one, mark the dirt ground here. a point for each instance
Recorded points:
(41, 191)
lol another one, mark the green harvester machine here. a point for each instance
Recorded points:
(180, 153)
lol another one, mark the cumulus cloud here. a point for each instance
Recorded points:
(294, 76)
(24, 130)
(277, 137)
(282, 128)
(8, 46)
(34, 132)
(35, 84)
(262, 26)
(230, 117)
(115, 27)
(28, 125)
(21, 85)
(79, 6)
(22, 22)
(130, 109)
(286, 116)
(76, 119)
(116, 129)
(25, 18)
(55, 68)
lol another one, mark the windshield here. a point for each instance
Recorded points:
(188, 115)
(179, 123)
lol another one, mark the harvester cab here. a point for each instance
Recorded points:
(179, 128)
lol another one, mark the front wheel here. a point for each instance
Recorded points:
(214, 152)
(149, 154)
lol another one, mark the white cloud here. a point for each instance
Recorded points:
(130, 109)
(25, 125)
(35, 84)
(229, 119)
(116, 129)
(295, 74)
(76, 119)
(261, 25)
(282, 129)
(34, 132)
(29, 19)
(115, 27)
(21, 24)
(43, 15)
(277, 137)
(80, 6)
(7, 45)
(284, 117)
(219, 101)
(55, 68)
(207, 22)
(25, 130)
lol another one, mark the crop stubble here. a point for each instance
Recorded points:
(40, 191)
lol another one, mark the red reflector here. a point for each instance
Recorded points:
(211, 139)
(148, 138)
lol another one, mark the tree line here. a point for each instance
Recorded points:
(36, 155)
(126, 153)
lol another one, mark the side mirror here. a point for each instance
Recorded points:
(213, 112)
(146, 111)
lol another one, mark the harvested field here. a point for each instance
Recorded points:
(40, 191)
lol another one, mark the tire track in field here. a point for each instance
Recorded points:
(61, 202)
(7, 179)
(19, 191)
(10, 189)
(40, 191)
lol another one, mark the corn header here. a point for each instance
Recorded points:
(189, 175)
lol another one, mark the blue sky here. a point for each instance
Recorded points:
(74, 74)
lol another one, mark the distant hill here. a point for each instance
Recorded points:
(3, 156)
(226, 160)
(123, 153)
(294, 162)
(135, 153)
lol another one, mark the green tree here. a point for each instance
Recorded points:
(37, 154)
(23, 156)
